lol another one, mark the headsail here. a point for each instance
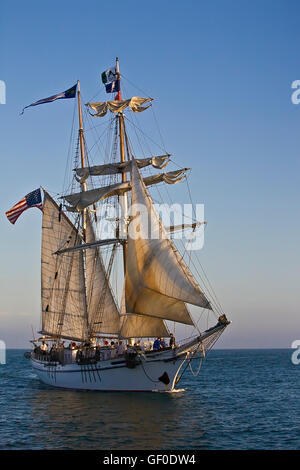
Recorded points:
(142, 327)
(64, 309)
(157, 281)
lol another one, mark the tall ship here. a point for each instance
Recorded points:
(114, 300)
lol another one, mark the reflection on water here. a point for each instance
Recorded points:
(107, 420)
(40, 416)
(244, 399)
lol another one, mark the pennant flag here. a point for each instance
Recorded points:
(33, 199)
(113, 87)
(109, 75)
(70, 93)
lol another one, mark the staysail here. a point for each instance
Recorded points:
(157, 281)
(143, 327)
(64, 308)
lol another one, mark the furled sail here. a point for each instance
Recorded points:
(157, 281)
(158, 162)
(102, 310)
(64, 309)
(142, 326)
(84, 199)
(135, 104)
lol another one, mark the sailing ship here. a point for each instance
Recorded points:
(79, 302)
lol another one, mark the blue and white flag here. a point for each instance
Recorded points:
(70, 93)
(109, 75)
(113, 87)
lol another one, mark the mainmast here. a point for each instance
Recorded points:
(123, 199)
(82, 185)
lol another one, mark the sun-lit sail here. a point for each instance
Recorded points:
(135, 104)
(84, 199)
(142, 327)
(158, 162)
(157, 280)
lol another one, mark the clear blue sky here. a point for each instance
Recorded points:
(221, 73)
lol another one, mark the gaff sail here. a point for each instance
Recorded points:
(64, 308)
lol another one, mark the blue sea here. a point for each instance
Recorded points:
(242, 399)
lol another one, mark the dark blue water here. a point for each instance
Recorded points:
(242, 399)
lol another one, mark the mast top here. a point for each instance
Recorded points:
(118, 96)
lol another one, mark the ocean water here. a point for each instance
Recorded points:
(242, 399)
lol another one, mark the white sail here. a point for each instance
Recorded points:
(102, 310)
(135, 104)
(84, 199)
(64, 309)
(158, 162)
(157, 281)
(143, 300)
(141, 326)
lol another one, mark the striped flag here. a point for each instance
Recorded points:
(33, 199)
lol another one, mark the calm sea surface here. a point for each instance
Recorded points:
(242, 399)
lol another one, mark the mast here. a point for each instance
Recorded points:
(123, 199)
(82, 185)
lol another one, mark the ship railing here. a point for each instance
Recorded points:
(45, 356)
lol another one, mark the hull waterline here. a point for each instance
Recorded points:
(147, 376)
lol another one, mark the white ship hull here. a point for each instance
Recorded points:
(114, 375)
(155, 371)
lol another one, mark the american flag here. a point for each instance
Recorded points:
(33, 199)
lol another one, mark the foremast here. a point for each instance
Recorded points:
(81, 139)
(77, 301)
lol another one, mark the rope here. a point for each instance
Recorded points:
(190, 359)
(199, 367)
(154, 381)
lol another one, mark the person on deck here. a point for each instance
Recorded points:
(44, 347)
(157, 344)
(97, 352)
(120, 349)
(172, 341)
